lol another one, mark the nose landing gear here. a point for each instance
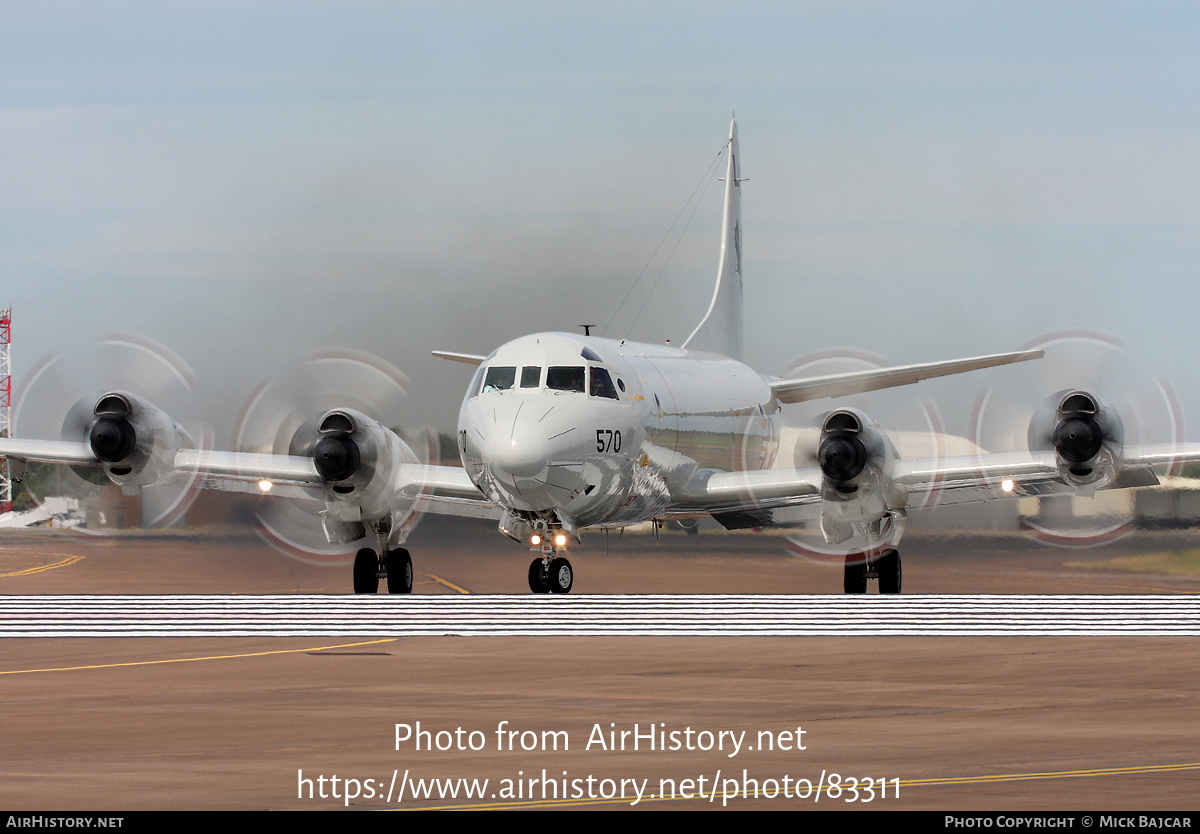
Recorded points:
(548, 573)
(551, 576)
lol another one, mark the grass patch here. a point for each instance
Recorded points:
(1173, 563)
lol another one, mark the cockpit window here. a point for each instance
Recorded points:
(564, 379)
(531, 375)
(588, 353)
(499, 378)
(474, 389)
(601, 384)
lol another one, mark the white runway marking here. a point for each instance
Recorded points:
(586, 616)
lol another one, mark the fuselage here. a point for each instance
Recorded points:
(602, 432)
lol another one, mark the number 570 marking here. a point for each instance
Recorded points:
(608, 440)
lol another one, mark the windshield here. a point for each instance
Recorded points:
(564, 379)
(499, 378)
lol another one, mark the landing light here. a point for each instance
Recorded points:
(1007, 485)
(560, 540)
(535, 540)
(265, 486)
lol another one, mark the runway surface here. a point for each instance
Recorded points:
(960, 721)
(990, 615)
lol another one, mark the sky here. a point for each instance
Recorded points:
(249, 183)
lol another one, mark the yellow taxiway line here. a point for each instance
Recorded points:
(447, 583)
(62, 563)
(194, 659)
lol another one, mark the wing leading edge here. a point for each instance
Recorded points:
(859, 382)
(775, 496)
(443, 489)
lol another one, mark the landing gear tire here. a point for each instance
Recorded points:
(539, 582)
(888, 568)
(561, 576)
(399, 571)
(366, 572)
(856, 573)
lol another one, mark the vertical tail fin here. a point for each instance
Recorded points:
(720, 331)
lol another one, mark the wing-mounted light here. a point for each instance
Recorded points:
(1085, 434)
(134, 441)
(363, 465)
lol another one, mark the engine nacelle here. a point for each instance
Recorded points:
(1086, 436)
(854, 456)
(851, 454)
(363, 467)
(135, 442)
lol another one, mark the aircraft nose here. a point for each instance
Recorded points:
(515, 450)
(531, 462)
(520, 458)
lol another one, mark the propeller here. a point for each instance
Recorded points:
(913, 423)
(1085, 395)
(59, 399)
(303, 413)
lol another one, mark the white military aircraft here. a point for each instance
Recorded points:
(559, 432)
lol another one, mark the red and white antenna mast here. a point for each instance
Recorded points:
(5, 405)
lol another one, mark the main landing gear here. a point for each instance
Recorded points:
(885, 567)
(395, 566)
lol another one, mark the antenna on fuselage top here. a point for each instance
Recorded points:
(587, 328)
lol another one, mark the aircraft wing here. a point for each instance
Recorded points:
(444, 487)
(244, 466)
(438, 489)
(468, 358)
(1163, 454)
(56, 451)
(717, 492)
(1028, 472)
(784, 496)
(1034, 473)
(858, 382)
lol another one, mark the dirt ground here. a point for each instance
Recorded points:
(241, 723)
